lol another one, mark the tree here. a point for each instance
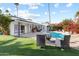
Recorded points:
(0, 11)
(7, 12)
(49, 13)
(67, 24)
(77, 17)
(76, 25)
(4, 23)
(16, 4)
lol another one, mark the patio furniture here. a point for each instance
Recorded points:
(65, 42)
(41, 40)
(62, 39)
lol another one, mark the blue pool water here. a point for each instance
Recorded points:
(56, 35)
(1, 33)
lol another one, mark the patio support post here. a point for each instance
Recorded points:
(18, 23)
(17, 4)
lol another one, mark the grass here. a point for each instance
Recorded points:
(10, 45)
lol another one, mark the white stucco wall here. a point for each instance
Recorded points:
(14, 27)
(12, 24)
(11, 28)
(14, 30)
(26, 29)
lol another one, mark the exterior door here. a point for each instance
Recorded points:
(22, 29)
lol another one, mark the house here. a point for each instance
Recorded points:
(20, 26)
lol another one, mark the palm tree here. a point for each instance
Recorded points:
(4, 23)
(77, 17)
(17, 4)
(0, 11)
(77, 14)
(49, 13)
(7, 12)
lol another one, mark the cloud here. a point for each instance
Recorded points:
(34, 5)
(53, 12)
(63, 11)
(45, 13)
(69, 5)
(56, 5)
(1, 8)
(9, 9)
(23, 3)
(21, 13)
(26, 14)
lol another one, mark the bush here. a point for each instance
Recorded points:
(55, 27)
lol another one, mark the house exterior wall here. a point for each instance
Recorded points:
(12, 30)
(28, 27)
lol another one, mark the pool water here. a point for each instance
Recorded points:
(1, 33)
(56, 35)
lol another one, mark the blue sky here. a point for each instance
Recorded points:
(38, 12)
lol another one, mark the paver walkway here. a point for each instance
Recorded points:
(74, 41)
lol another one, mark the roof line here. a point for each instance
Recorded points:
(25, 20)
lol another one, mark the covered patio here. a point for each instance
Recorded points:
(23, 27)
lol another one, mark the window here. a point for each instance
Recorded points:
(15, 28)
(22, 29)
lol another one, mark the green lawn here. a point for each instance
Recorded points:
(10, 45)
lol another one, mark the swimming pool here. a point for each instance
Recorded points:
(56, 35)
(1, 33)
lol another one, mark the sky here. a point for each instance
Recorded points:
(38, 12)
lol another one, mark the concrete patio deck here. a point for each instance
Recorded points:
(31, 34)
(74, 40)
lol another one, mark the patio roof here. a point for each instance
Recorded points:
(24, 20)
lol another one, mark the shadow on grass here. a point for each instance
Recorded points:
(28, 50)
(5, 42)
(15, 49)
